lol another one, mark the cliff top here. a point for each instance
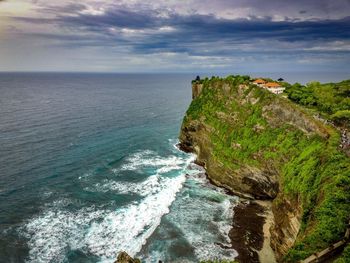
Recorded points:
(330, 100)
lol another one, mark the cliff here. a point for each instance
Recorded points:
(262, 146)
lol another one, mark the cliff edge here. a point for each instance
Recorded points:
(261, 146)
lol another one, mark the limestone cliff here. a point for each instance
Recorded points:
(262, 146)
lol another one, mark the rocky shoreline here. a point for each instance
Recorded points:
(250, 228)
(250, 235)
(247, 235)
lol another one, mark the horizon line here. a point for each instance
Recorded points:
(173, 72)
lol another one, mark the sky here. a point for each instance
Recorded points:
(175, 36)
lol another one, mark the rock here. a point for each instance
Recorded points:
(287, 214)
(236, 145)
(258, 128)
(279, 113)
(196, 90)
(123, 257)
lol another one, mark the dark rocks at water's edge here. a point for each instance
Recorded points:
(184, 147)
(123, 257)
(246, 234)
(250, 225)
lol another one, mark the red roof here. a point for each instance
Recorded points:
(272, 85)
(259, 81)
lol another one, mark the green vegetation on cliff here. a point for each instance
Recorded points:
(330, 99)
(252, 127)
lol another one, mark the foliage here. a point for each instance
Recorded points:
(331, 99)
(312, 169)
(342, 116)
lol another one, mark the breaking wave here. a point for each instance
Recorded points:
(102, 232)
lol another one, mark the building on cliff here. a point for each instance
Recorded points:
(273, 87)
(259, 82)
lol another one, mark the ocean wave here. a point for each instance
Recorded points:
(103, 232)
(219, 214)
(215, 216)
(148, 158)
(202, 215)
(142, 161)
(151, 185)
(99, 232)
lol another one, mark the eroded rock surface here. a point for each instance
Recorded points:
(123, 257)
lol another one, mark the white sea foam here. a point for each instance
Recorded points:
(203, 214)
(115, 171)
(138, 161)
(129, 228)
(102, 232)
(203, 248)
(150, 159)
(151, 185)
(211, 250)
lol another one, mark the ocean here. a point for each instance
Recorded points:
(89, 167)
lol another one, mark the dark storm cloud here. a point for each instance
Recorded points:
(118, 18)
(289, 8)
(69, 8)
(122, 18)
(191, 33)
(204, 28)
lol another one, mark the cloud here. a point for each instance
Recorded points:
(144, 31)
(240, 30)
(314, 9)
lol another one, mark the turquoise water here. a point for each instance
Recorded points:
(89, 167)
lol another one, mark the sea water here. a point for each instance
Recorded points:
(89, 167)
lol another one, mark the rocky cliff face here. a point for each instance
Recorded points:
(249, 141)
(254, 182)
(196, 90)
(246, 181)
(287, 222)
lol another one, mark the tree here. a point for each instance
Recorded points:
(342, 116)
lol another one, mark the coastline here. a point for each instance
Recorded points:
(250, 235)
(250, 228)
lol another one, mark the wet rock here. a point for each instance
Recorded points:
(123, 257)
